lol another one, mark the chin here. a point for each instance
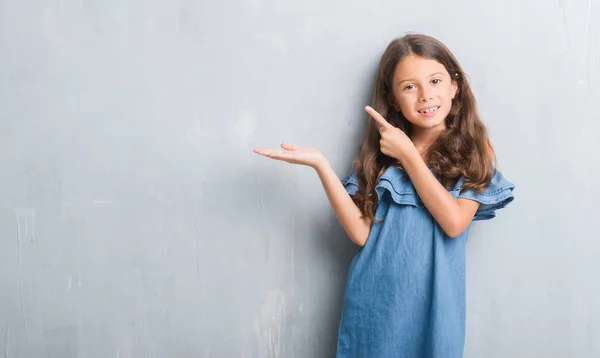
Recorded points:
(427, 124)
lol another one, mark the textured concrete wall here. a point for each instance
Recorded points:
(135, 221)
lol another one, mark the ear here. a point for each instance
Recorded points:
(454, 88)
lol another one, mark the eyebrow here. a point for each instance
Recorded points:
(431, 75)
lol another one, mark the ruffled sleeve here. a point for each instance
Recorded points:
(497, 195)
(393, 182)
(351, 183)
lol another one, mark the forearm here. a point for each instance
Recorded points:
(440, 203)
(348, 214)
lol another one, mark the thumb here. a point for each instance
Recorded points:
(288, 146)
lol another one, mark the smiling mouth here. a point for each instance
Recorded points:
(429, 110)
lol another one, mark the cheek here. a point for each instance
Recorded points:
(405, 102)
(407, 107)
(451, 93)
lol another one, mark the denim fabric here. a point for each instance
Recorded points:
(405, 293)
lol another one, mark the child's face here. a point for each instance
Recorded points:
(423, 91)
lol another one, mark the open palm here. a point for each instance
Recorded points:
(293, 154)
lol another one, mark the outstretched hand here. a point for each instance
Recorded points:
(294, 154)
(394, 142)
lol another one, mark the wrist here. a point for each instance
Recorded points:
(408, 154)
(321, 164)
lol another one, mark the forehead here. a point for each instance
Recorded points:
(415, 67)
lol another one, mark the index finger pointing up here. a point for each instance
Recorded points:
(378, 118)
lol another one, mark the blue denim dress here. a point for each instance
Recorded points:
(405, 293)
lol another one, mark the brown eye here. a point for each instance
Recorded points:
(409, 87)
(435, 81)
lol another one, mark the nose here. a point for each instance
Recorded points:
(425, 95)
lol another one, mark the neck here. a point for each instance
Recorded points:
(423, 138)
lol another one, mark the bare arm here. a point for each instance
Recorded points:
(357, 227)
(453, 215)
(347, 212)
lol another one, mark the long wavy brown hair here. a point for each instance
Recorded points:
(462, 149)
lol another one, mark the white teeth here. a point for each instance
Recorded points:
(429, 110)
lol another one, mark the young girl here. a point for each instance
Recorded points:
(424, 172)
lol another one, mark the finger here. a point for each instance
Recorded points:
(263, 151)
(273, 154)
(378, 118)
(288, 146)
